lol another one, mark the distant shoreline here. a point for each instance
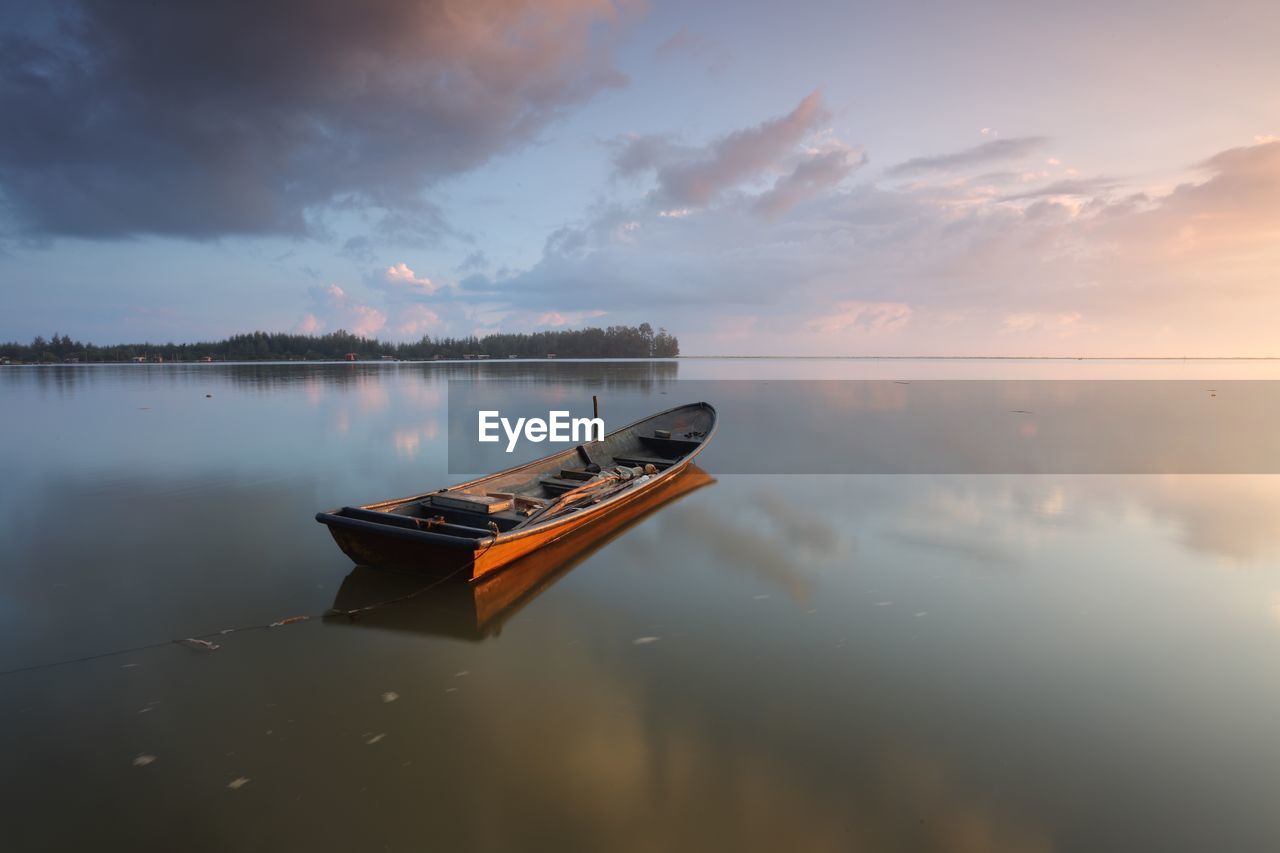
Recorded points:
(525, 360)
(299, 361)
(591, 342)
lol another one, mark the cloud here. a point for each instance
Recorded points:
(414, 321)
(1239, 202)
(310, 324)
(854, 316)
(995, 151)
(558, 318)
(253, 117)
(399, 277)
(1031, 322)
(1074, 271)
(639, 154)
(473, 262)
(870, 268)
(696, 176)
(1077, 186)
(405, 294)
(811, 177)
(332, 309)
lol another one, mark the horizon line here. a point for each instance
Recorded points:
(1010, 357)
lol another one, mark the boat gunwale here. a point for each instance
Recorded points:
(334, 518)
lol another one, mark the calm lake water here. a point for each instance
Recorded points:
(917, 662)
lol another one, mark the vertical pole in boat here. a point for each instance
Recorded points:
(595, 406)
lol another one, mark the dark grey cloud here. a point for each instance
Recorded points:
(473, 262)
(359, 248)
(478, 283)
(242, 117)
(995, 151)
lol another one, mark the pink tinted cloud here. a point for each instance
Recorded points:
(1239, 203)
(694, 177)
(1094, 266)
(333, 309)
(813, 176)
(1060, 324)
(309, 325)
(995, 151)
(416, 320)
(400, 276)
(876, 318)
(564, 318)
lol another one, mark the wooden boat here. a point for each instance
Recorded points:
(477, 610)
(479, 526)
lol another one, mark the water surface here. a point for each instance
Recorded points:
(880, 662)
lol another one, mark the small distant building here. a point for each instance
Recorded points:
(513, 356)
(71, 359)
(483, 355)
(139, 359)
(5, 360)
(158, 359)
(551, 355)
(437, 357)
(389, 358)
(206, 359)
(349, 357)
(468, 356)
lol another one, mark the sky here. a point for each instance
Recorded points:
(808, 178)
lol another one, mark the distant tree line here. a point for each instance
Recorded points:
(612, 342)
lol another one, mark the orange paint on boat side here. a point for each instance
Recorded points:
(372, 542)
(476, 609)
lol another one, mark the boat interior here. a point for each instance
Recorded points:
(549, 488)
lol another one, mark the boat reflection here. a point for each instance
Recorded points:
(477, 610)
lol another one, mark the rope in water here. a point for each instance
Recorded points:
(205, 641)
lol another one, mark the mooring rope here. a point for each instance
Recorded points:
(205, 641)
